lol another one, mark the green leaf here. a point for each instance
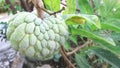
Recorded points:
(110, 40)
(71, 7)
(106, 8)
(6, 6)
(110, 27)
(81, 61)
(73, 38)
(116, 38)
(52, 5)
(107, 56)
(67, 46)
(18, 7)
(2, 2)
(75, 20)
(92, 20)
(105, 43)
(85, 7)
(105, 35)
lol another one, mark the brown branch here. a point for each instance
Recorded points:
(24, 5)
(30, 5)
(66, 6)
(63, 53)
(27, 5)
(59, 11)
(40, 8)
(63, 4)
(78, 48)
(38, 5)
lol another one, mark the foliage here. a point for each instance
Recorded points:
(98, 20)
(53, 5)
(81, 61)
(2, 2)
(71, 8)
(10, 6)
(106, 56)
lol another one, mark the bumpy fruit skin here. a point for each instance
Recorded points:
(36, 38)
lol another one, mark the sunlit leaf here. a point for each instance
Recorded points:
(85, 7)
(75, 20)
(53, 5)
(92, 20)
(71, 7)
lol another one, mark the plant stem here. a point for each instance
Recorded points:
(59, 11)
(63, 53)
(78, 48)
(38, 5)
(66, 6)
(26, 5)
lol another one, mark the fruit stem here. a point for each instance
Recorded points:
(39, 5)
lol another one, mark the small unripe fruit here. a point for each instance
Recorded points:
(36, 38)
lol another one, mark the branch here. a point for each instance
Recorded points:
(38, 5)
(66, 6)
(63, 53)
(30, 5)
(24, 4)
(59, 11)
(78, 48)
(40, 8)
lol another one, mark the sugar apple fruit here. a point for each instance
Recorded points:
(36, 38)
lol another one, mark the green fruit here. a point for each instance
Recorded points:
(36, 38)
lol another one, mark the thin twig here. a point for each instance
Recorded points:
(59, 11)
(78, 48)
(66, 6)
(39, 6)
(63, 53)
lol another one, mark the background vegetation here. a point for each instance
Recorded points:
(94, 27)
